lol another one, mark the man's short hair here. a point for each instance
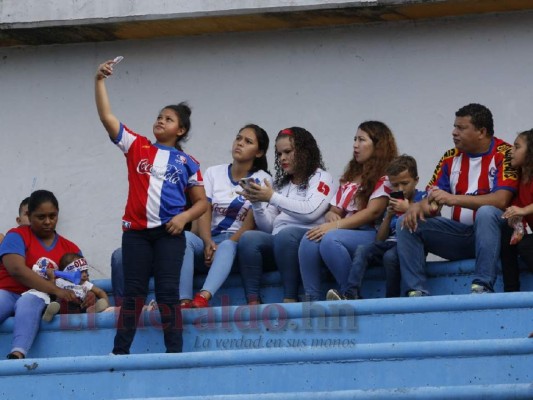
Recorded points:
(480, 116)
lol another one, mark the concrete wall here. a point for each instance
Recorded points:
(411, 75)
(54, 12)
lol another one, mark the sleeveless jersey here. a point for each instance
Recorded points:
(22, 241)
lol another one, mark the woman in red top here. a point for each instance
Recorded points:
(518, 215)
(23, 247)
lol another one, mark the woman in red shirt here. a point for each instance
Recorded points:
(23, 247)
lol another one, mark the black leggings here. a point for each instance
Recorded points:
(510, 259)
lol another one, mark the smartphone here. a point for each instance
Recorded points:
(397, 195)
(117, 59)
(245, 182)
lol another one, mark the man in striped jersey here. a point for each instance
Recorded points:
(476, 180)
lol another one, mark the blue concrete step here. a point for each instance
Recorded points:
(383, 366)
(432, 347)
(487, 392)
(322, 324)
(445, 278)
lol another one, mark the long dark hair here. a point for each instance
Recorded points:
(373, 169)
(527, 168)
(307, 156)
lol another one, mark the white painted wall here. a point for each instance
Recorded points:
(413, 76)
(67, 12)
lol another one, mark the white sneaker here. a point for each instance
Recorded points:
(152, 306)
(334, 294)
(101, 305)
(51, 310)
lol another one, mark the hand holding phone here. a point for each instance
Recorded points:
(245, 182)
(397, 195)
(117, 59)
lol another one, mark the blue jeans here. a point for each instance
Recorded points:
(454, 241)
(145, 253)
(378, 253)
(335, 251)
(257, 250)
(194, 260)
(28, 310)
(117, 271)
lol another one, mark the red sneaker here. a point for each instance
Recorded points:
(199, 301)
(186, 305)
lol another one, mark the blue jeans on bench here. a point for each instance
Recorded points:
(454, 241)
(28, 310)
(223, 263)
(378, 253)
(257, 250)
(335, 251)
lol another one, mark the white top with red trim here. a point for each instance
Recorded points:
(294, 205)
(345, 196)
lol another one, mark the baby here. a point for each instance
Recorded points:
(91, 298)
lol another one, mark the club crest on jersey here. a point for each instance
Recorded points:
(181, 159)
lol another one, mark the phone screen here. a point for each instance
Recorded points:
(246, 181)
(397, 195)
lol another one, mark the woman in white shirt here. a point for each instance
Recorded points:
(284, 212)
(212, 250)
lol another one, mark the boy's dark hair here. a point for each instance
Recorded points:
(402, 163)
(183, 111)
(23, 203)
(480, 116)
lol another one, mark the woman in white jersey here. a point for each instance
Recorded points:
(298, 201)
(213, 250)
